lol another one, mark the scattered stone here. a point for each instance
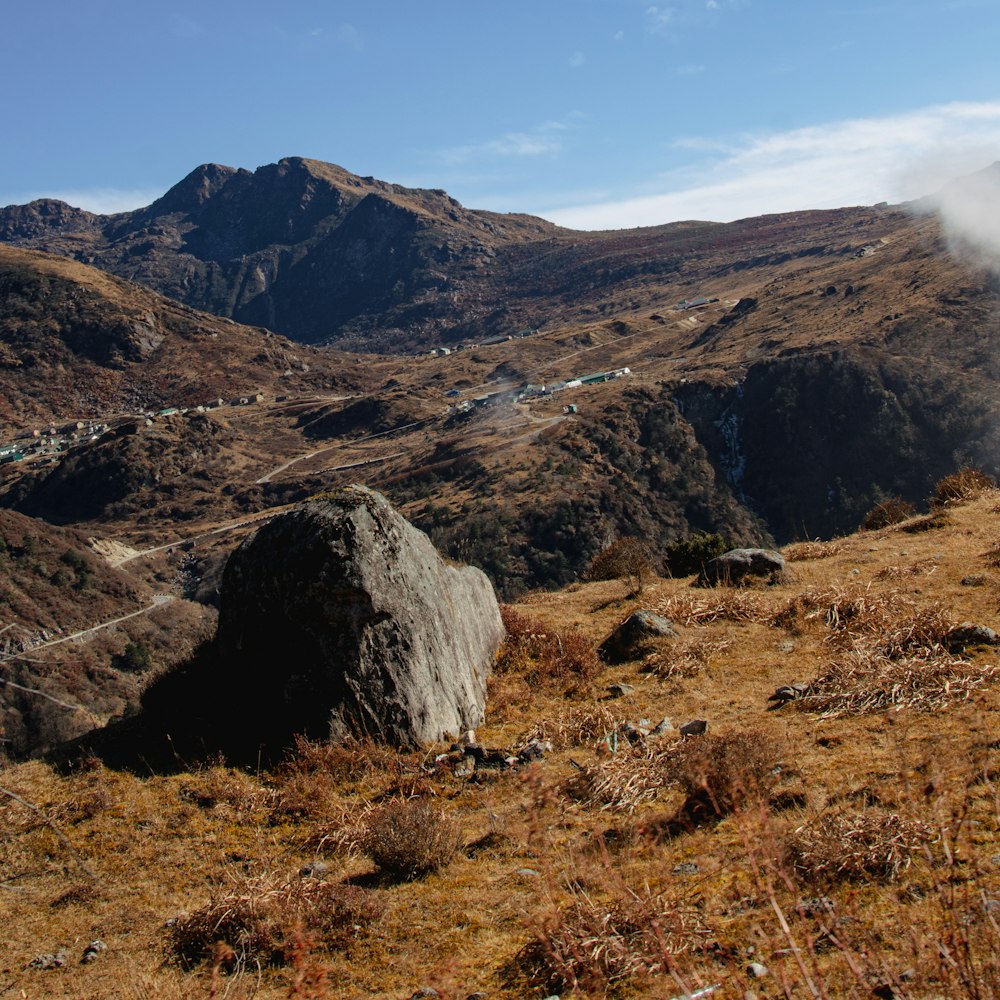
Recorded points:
(424, 993)
(535, 750)
(633, 733)
(528, 873)
(629, 639)
(53, 961)
(620, 690)
(477, 996)
(663, 726)
(341, 619)
(686, 868)
(789, 692)
(995, 860)
(468, 738)
(92, 951)
(465, 767)
(975, 580)
(970, 634)
(736, 565)
(696, 727)
(756, 970)
(314, 869)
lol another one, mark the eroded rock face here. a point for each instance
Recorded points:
(340, 619)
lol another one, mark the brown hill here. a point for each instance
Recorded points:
(844, 843)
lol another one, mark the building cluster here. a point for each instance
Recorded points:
(500, 338)
(536, 390)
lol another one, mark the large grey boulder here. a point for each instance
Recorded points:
(633, 636)
(340, 618)
(736, 565)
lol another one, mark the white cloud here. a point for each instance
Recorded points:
(854, 162)
(577, 59)
(618, 36)
(544, 140)
(103, 200)
(657, 18)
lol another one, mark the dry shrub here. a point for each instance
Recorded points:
(622, 781)
(258, 918)
(215, 785)
(594, 945)
(685, 659)
(868, 846)
(887, 513)
(959, 487)
(719, 605)
(583, 726)
(544, 656)
(804, 551)
(625, 559)
(923, 567)
(720, 773)
(347, 762)
(408, 838)
(865, 680)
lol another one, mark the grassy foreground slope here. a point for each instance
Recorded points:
(846, 843)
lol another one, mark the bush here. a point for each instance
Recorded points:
(887, 513)
(859, 847)
(719, 773)
(595, 945)
(544, 655)
(259, 918)
(689, 555)
(626, 559)
(966, 484)
(410, 837)
(136, 659)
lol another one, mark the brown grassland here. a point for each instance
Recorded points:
(848, 841)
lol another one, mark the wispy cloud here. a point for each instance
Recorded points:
(102, 200)
(577, 59)
(543, 140)
(657, 18)
(854, 162)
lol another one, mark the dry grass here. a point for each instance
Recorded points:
(622, 781)
(684, 659)
(859, 847)
(962, 486)
(887, 513)
(721, 604)
(545, 656)
(863, 681)
(807, 551)
(259, 917)
(594, 945)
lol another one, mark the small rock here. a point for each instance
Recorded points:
(789, 692)
(628, 640)
(976, 580)
(663, 726)
(632, 732)
(424, 993)
(465, 767)
(696, 727)
(91, 952)
(528, 873)
(535, 750)
(477, 996)
(314, 869)
(970, 634)
(55, 961)
(756, 970)
(686, 868)
(620, 690)
(468, 738)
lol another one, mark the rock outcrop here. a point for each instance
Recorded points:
(736, 565)
(341, 619)
(632, 637)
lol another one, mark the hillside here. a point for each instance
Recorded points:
(841, 844)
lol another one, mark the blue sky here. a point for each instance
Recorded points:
(594, 113)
